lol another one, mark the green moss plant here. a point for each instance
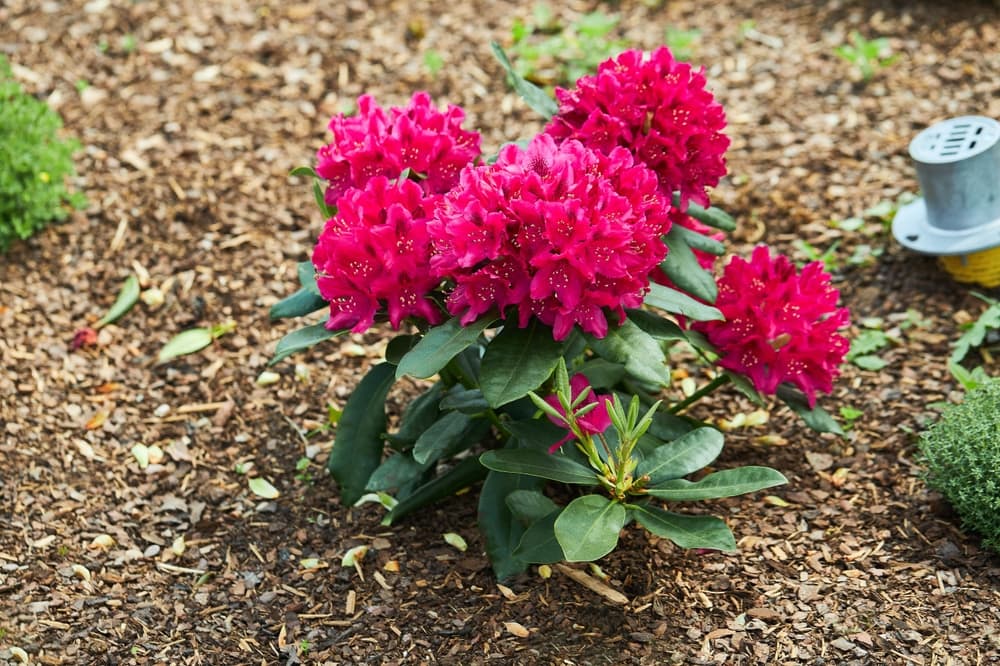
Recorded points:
(962, 455)
(34, 163)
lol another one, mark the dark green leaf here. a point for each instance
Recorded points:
(712, 216)
(539, 463)
(518, 360)
(697, 241)
(677, 302)
(682, 456)
(631, 346)
(302, 302)
(727, 483)
(462, 475)
(538, 434)
(302, 339)
(418, 416)
(395, 472)
(538, 544)
(535, 97)
(307, 276)
(657, 326)
(588, 528)
(452, 432)
(304, 171)
(127, 297)
(746, 387)
(683, 269)
(399, 347)
(440, 345)
(816, 417)
(319, 195)
(686, 531)
(529, 506)
(357, 448)
(500, 529)
(669, 427)
(467, 401)
(602, 374)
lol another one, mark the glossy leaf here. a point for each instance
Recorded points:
(318, 194)
(712, 216)
(635, 349)
(418, 416)
(185, 342)
(683, 269)
(127, 297)
(396, 471)
(686, 531)
(539, 544)
(816, 417)
(539, 463)
(588, 528)
(467, 401)
(697, 241)
(399, 347)
(304, 172)
(530, 506)
(357, 449)
(677, 302)
(538, 434)
(302, 339)
(440, 345)
(462, 475)
(602, 374)
(658, 327)
(534, 96)
(682, 456)
(307, 276)
(452, 432)
(501, 530)
(517, 360)
(301, 303)
(727, 483)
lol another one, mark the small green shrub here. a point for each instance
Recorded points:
(962, 455)
(34, 163)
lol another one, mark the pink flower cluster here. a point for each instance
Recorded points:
(659, 110)
(560, 231)
(780, 326)
(377, 142)
(376, 252)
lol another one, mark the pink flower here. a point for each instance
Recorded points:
(561, 232)
(592, 423)
(658, 109)
(385, 143)
(375, 254)
(780, 326)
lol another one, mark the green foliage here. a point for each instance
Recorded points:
(866, 55)
(548, 53)
(34, 163)
(681, 42)
(962, 455)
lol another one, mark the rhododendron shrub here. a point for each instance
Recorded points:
(538, 294)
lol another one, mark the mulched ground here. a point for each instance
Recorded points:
(193, 113)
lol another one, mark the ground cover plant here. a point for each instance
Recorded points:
(34, 163)
(554, 258)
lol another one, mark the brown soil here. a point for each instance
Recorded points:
(190, 131)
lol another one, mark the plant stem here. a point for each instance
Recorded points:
(720, 380)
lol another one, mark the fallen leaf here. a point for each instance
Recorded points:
(517, 629)
(127, 297)
(353, 556)
(456, 541)
(261, 488)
